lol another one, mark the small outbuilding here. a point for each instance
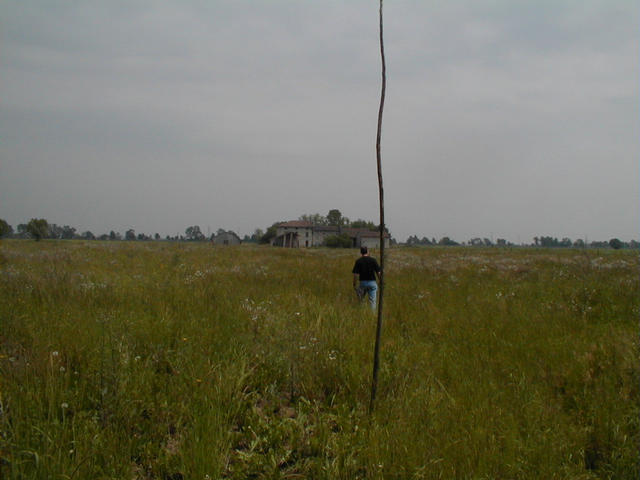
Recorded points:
(226, 238)
(370, 239)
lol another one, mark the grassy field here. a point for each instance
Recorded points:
(184, 361)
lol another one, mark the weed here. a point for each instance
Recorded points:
(168, 361)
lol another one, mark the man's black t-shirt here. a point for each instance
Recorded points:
(366, 267)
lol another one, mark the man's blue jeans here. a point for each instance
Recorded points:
(369, 287)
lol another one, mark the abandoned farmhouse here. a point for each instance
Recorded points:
(301, 234)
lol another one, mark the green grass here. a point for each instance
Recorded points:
(168, 361)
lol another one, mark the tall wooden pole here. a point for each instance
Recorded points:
(376, 352)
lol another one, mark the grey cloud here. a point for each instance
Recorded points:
(502, 117)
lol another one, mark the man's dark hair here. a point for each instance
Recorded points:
(363, 250)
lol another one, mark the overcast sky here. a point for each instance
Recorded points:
(503, 119)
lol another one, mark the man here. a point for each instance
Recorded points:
(365, 271)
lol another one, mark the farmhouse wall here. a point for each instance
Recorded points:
(320, 233)
(371, 241)
(294, 234)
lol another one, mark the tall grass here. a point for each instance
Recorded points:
(161, 360)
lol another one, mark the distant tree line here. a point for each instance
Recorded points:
(541, 241)
(39, 228)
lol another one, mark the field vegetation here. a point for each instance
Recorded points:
(158, 360)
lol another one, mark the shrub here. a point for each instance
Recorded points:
(338, 241)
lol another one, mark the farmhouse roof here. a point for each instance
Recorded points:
(296, 223)
(325, 228)
(229, 232)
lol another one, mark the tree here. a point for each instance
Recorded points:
(314, 218)
(548, 242)
(338, 241)
(130, 234)
(616, 243)
(270, 234)
(334, 218)
(447, 242)
(414, 240)
(193, 233)
(55, 231)
(38, 228)
(22, 230)
(68, 232)
(257, 235)
(88, 235)
(360, 223)
(5, 228)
